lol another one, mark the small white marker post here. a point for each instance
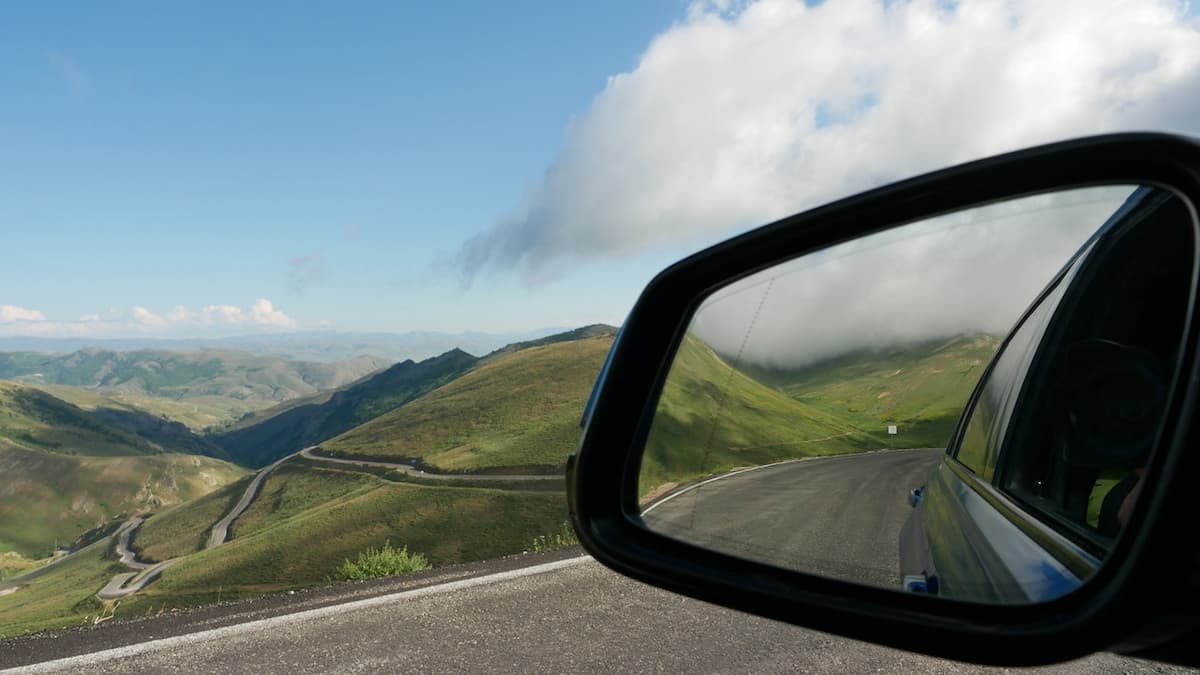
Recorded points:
(891, 430)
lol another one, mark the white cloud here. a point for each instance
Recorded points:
(146, 318)
(12, 313)
(222, 314)
(969, 272)
(262, 315)
(740, 115)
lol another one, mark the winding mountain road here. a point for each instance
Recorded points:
(220, 531)
(307, 453)
(127, 583)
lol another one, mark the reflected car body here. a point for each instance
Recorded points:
(1022, 506)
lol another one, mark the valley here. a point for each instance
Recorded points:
(455, 458)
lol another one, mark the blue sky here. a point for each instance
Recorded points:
(162, 154)
(220, 168)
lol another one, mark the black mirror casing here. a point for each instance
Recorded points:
(1148, 592)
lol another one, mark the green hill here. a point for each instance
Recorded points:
(515, 411)
(184, 528)
(198, 413)
(39, 421)
(185, 374)
(293, 426)
(62, 598)
(600, 330)
(34, 419)
(308, 520)
(49, 498)
(921, 388)
(67, 470)
(712, 418)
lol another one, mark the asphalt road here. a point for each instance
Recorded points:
(127, 583)
(124, 534)
(18, 581)
(450, 477)
(220, 531)
(838, 516)
(569, 615)
(122, 584)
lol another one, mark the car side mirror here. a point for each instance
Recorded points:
(1007, 346)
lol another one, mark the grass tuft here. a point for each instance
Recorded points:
(563, 538)
(382, 562)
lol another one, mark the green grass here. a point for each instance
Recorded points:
(564, 537)
(712, 418)
(519, 411)
(50, 497)
(922, 388)
(184, 528)
(64, 597)
(183, 375)
(384, 561)
(266, 436)
(13, 563)
(196, 412)
(295, 488)
(320, 532)
(37, 420)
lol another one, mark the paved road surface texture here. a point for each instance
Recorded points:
(838, 516)
(568, 615)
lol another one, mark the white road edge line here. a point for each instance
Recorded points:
(95, 658)
(702, 483)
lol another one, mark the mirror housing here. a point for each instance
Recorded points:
(1150, 578)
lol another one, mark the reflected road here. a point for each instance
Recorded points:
(836, 516)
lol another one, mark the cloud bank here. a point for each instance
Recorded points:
(12, 313)
(738, 116)
(261, 316)
(971, 272)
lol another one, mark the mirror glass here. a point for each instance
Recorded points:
(961, 406)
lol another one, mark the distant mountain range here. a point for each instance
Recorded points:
(263, 436)
(186, 374)
(322, 346)
(67, 469)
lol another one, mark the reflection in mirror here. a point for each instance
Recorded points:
(962, 406)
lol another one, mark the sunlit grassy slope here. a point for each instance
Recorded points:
(186, 374)
(712, 418)
(62, 598)
(184, 528)
(48, 498)
(517, 411)
(920, 388)
(66, 470)
(308, 521)
(196, 412)
(291, 426)
(39, 421)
